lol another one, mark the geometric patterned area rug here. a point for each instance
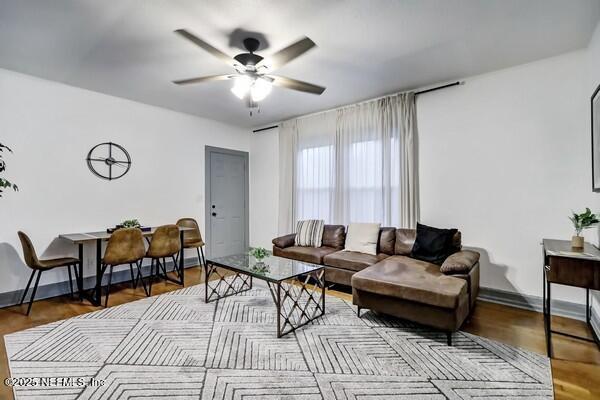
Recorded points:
(175, 346)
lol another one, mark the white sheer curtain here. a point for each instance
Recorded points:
(288, 135)
(375, 154)
(315, 167)
(354, 164)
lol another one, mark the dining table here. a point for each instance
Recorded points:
(82, 238)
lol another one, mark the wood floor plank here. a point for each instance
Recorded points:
(575, 368)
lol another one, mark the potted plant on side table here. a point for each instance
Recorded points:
(582, 221)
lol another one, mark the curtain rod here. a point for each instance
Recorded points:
(265, 129)
(433, 89)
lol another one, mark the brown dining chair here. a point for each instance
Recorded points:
(165, 243)
(38, 266)
(125, 246)
(192, 238)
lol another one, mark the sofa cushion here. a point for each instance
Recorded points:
(285, 241)
(334, 236)
(362, 237)
(387, 241)
(307, 254)
(460, 262)
(456, 242)
(413, 280)
(352, 260)
(338, 275)
(433, 244)
(405, 239)
(309, 233)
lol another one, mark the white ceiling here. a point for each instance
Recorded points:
(127, 48)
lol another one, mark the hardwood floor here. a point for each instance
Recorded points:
(575, 368)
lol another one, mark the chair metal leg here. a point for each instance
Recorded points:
(108, 287)
(203, 258)
(28, 284)
(358, 311)
(134, 280)
(176, 267)
(164, 267)
(77, 282)
(157, 272)
(140, 277)
(75, 273)
(151, 276)
(37, 281)
(70, 279)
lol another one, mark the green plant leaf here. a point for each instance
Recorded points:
(584, 220)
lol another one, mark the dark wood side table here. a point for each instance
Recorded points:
(564, 265)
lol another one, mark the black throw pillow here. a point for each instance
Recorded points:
(433, 245)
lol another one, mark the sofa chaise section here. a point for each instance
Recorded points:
(413, 290)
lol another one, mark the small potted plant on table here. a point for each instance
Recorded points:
(582, 221)
(259, 253)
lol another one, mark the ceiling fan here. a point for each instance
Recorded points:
(253, 79)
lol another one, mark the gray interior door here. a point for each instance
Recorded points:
(228, 191)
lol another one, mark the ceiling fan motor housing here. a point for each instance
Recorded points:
(248, 59)
(251, 44)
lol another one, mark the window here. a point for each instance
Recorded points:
(367, 191)
(354, 164)
(314, 183)
(364, 192)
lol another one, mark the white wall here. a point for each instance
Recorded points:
(264, 187)
(51, 127)
(505, 158)
(593, 75)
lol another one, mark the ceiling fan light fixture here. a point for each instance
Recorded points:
(241, 86)
(260, 89)
(251, 82)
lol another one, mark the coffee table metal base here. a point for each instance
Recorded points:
(218, 285)
(298, 302)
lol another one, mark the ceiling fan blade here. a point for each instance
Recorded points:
(202, 79)
(294, 84)
(287, 54)
(202, 44)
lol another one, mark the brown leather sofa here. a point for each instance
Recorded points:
(392, 282)
(334, 237)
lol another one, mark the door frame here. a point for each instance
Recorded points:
(208, 151)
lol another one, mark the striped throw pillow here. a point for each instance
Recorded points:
(309, 233)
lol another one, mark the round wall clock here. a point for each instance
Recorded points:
(108, 160)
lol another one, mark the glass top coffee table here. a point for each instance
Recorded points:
(297, 288)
